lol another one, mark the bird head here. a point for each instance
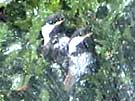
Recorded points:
(83, 32)
(52, 26)
(79, 41)
(55, 19)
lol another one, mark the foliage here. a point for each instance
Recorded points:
(113, 25)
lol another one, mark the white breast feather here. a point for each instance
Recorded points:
(80, 63)
(63, 42)
(73, 43)
(46, 30)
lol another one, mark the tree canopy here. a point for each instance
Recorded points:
(23, 68)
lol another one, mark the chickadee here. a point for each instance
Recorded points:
(82, 58)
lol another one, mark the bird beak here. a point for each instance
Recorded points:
(59, 22)
(88, 35)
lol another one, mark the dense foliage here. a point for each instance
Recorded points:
(23, 69)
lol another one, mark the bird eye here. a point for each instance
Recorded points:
(57, 20)
(51, 22)
(62, 18)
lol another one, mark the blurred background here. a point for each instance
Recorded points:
(24, 73)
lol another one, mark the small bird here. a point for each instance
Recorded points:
(52, 32)
(82, 57)
(55, 46)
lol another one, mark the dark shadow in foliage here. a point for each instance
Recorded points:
(102, 12)
(5, 83)
(3, 17)
(64, 5)
(15, 11)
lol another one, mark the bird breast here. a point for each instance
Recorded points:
(80, 63)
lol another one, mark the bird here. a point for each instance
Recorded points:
(55, 51)
(82, 57)
(55, 46)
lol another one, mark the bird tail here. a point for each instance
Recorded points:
(69, 82)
